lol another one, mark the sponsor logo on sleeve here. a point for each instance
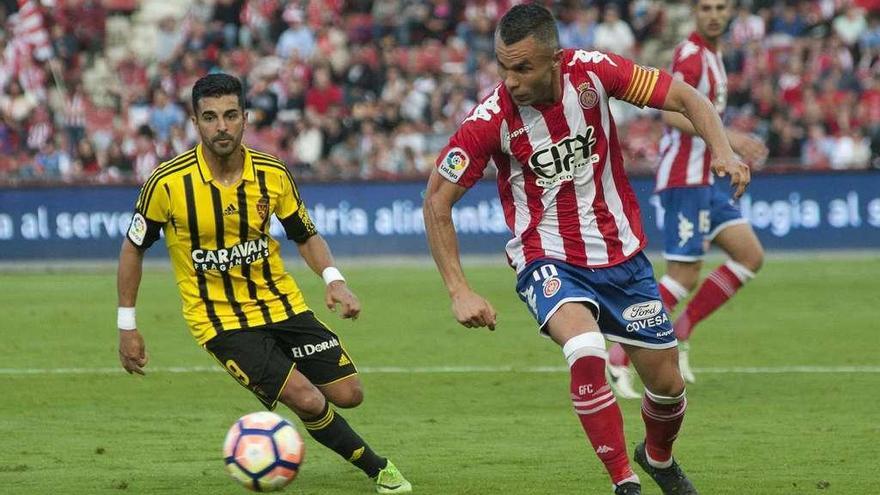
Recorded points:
(454, 164)
(137, 231)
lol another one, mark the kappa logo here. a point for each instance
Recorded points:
(487, 109)
(685, 230)
(590, 57)
(529, 297)
(518, 132)
(604, 449)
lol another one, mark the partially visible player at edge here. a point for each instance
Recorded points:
(577, 238)
(214, 203)
(697, 209)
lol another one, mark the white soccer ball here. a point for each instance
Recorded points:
(263, 451)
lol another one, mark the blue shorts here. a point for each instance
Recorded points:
(693, 216)
(624, 298)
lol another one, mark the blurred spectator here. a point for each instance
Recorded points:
(145, 157)
(746, 27)
(262, 103)
(323, 94)
(789, 23)
(850, 25)
(52, 162)
(227, 14)
(371, 89)
(818, 148)
(581, 32)
(297, 38)
(613, 34)
(86, 161)
(164, 115)
(75, 107)
(851, 151)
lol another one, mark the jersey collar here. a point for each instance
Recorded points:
(246, 174)
(700, 41)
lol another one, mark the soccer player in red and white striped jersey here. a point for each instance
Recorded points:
(577, 236)
(696, 211)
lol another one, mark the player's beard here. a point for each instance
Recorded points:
(224, 150)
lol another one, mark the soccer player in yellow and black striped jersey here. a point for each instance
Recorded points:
(213, 204)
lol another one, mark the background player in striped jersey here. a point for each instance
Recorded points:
(577, 238)
(214, 204)
(698, 210)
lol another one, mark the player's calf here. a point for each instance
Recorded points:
(596, 406)
(663, 417)
(717, 289)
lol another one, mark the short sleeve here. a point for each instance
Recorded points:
(636, 84)
(687, 64)
(292, 212)
(464, 159)
(152, 212)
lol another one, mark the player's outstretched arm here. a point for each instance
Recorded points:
(317, 255)
(132, 351)
(470, 309)
(701, 113)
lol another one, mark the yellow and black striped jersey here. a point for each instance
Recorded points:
(228, 268)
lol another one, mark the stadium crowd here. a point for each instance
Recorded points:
(371, 89)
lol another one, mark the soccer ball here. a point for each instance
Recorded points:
(263, 451)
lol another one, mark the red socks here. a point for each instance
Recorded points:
(718, 287)
(595, 404)
(663, 417)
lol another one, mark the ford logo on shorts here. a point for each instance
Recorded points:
(642, 310)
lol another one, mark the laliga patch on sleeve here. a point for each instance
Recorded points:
(454, 164)
(137, 231)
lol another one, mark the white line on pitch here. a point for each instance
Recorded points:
(756, 370)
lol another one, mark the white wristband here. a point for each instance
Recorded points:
(125, 319)
(331, 274)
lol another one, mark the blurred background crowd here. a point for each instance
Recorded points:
(98, 91)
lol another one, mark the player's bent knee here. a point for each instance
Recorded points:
(584, 344)
(350, 396)
(305, 401)
(669, 388)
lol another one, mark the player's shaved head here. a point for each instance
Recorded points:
(526, 20)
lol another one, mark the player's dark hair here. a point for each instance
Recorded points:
(214, 85)
(524, 20)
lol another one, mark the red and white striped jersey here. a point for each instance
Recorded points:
(560, 178)
(685, 159)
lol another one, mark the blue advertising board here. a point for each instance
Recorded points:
(793, 212)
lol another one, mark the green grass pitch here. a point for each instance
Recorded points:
(506, 428)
